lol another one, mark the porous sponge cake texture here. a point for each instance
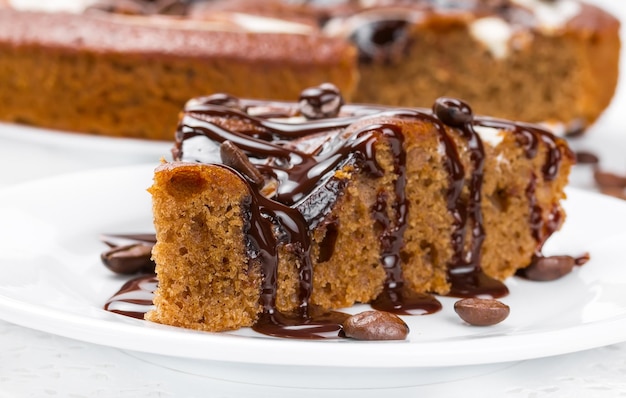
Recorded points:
(353, 273)
(205, 279)
(567, 77)
(130, 95)
(509, 243)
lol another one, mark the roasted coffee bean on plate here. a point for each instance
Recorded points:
(129, 259)
(481, 312)
(375, 325)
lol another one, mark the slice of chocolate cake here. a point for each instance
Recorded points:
(272, 211)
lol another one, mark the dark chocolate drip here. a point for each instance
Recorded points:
(315, 326)
(541, 230)
(528, 136)
(134, 298)
(327, 247)
(403, 301)
(266, 215)
(535, 213)
(396, 297)
(297, 172)
(392, 235)
(294, 234)
(464, 270)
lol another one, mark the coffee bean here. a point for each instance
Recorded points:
(481, 312)
(610, 183)
(375, 325)
(585, 157)
(453, 112)
(549, 268)
(609, 180)
(614, 191)
(320, 102)
(234, 157)
(129, 259)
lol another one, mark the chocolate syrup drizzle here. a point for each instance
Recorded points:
(134, 298)
(306, 190)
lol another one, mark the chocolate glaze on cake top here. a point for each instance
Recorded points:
(297, 147)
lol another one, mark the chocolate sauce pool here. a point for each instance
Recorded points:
(254, 146)
(134, 299)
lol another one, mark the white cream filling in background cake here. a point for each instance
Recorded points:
(499, 37)
(75, 6)
(552, 15)
(494, 33)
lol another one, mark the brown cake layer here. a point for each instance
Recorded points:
(123, 70)
(360, 206)
(567, 76)
(129, 76)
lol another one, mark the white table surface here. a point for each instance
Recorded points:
(39, 364)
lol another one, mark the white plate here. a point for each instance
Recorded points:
(44, 153)
(51, 279)
(80, 142)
